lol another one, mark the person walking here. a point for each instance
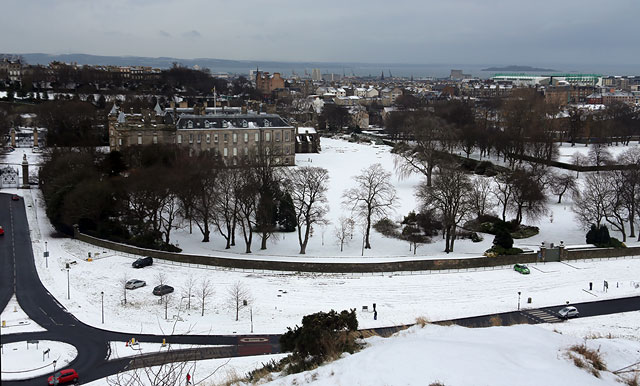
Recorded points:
(188, 379)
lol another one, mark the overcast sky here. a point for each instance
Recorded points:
(397, 31)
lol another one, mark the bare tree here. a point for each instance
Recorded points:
(166, 298)
(503, 193)
(578, 161)
(239, 297)
(599, 155)
(373, 197)
(246, 197)
(616, 210)
(561, 184)
(422, 157)
(590, 204)
(161, 278)
(226, 206)
(480, 196)
(169, 216)
(528, 197)
(308, 187)
(205, 291)
(344, 231)
(449, 196)
(188, 290)
(631, 187)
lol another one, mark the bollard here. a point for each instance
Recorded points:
(164, 342)
(529, 300)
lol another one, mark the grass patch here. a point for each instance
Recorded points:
(495, 320)
(422, 321)
(587, 358)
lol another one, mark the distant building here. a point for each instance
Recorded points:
(307, 140)
(231, 136)
(267, 83)
(11, 69)
(316, 75)
(459, 75)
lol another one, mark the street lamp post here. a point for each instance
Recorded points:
(519, 300)
(68, 286)
(102, 301)
(55, 381)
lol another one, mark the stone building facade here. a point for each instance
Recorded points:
(232, 136)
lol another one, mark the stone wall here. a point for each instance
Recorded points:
(299, 266)
(393, 266)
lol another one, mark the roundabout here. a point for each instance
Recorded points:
(33, 358)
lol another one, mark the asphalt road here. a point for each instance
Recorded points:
(18, 275)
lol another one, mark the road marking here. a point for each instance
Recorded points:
(541, 316)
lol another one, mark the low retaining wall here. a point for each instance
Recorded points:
(393, 266)
(299, 266)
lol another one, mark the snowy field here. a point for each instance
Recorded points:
(520, 355)
(280, 300)
(23, 361)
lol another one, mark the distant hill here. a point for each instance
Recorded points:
(513, 68)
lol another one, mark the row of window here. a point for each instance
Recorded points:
(225, 124)
(234, 137)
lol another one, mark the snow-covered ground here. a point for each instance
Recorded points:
(15, 320)
(23, 361)
(456, 356)
(281, 299)
(205, 372)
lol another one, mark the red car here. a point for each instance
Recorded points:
(1, 231)
(64, 376)
(15, 197)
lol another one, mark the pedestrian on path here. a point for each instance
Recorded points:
(188, 379)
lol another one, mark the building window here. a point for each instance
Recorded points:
(235, 151)
(286, 149)
(246, 151)
(190, 124)
(277, 136)
(155, 139)
(226, 138)
(139, 139)
(179, 138)
(286, 136)
(235, 137)
(225, 152)
(267, 136)
(120, 141)
(199, 138)
(257, 137)
(215, 138)
(190, 138)
(246, 137)
(208, 137)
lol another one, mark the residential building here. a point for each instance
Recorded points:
(232, 136)
(267, 83)
(307, 140)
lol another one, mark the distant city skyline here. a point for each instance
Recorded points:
(457, 31)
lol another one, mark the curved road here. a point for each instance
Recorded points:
(18, 275)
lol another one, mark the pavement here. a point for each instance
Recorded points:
(18, 275)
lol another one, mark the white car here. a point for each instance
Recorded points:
(568, 312)
(135, 283)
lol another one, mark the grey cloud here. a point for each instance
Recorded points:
(164, 34)
(193, 34)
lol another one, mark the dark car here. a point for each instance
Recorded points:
(162, 289)
(142, 262)
(64, 376)
(523, 269)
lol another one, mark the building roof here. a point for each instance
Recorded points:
(219, 121)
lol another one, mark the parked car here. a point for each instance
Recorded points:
(15, 197)
(64, 376)
(135, 283)
(142, 262)
(162, 290)
(1, 231)
(523, 269)
(569, 312)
